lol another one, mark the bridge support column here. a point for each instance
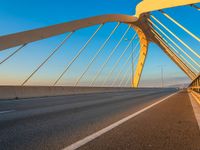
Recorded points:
(142, 57)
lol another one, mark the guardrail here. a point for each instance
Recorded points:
(195, 85)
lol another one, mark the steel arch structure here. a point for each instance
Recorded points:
(139, 23)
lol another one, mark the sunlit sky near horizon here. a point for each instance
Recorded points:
(21, 15)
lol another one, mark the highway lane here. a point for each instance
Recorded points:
(55, 122)
(169, 125)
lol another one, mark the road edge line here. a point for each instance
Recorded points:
(93, 136)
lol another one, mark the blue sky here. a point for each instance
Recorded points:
(21, 15)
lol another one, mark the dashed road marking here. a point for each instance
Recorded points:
(6, 111)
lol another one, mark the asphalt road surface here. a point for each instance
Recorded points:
(53, 123)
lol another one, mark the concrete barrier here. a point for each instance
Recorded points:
(17, 92)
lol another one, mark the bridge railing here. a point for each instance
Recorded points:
(195, 85)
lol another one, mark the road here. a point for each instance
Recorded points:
(56, 122)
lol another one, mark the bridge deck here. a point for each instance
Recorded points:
(57, 122)
(169, 125)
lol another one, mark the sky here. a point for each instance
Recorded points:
(22, 15)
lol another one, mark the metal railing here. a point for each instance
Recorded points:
(195, 85)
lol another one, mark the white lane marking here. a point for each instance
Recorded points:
(196, 109)
(23, 99)
(110, 127)
(6, 111)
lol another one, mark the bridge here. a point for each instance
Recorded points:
(85, 93)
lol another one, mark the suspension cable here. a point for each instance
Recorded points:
(121, 70)
(174, 43)
(159, 38)
(195, 6)
(18, 49)
(127, 81)
(123, 78)
(97, 54)
(52, 53)
(78, 54)
(176, 51)
(181, 55)
(119, 59)
(176, 37)
(112, 52)
(181, 26)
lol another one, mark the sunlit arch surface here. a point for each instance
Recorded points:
(141, 23)
(34, 35)
(152, 5)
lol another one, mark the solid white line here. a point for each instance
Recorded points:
(110, 127)
(196, 108)
(6, 111)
